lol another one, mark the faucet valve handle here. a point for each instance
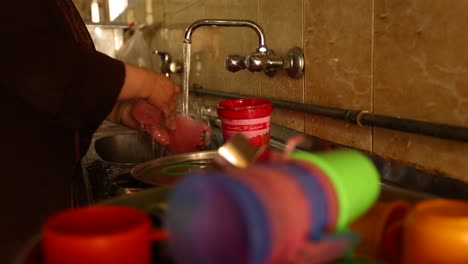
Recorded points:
(268, 62)
(255, 62)
(167, 65)
(234, 63)
(165, 57)
(175, 67)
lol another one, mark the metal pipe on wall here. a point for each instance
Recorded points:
(359, 117)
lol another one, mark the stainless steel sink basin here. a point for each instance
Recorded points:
(128, 148)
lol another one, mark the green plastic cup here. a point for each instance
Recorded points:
(354, 177)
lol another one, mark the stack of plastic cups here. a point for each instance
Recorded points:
(268, 213)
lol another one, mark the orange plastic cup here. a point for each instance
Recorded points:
(436, 231)
(105, 234)
(373, 227)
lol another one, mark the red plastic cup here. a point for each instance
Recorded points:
(99, 234)
(247, 116)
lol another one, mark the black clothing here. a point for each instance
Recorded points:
(53, 86)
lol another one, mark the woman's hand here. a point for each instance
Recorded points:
(141, 116)
(164, 95)
(122, 114)
(157, 89)
(147, 102)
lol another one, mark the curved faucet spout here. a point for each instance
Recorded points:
(228, 23)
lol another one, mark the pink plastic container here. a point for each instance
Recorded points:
(187, 135)
(247, 116)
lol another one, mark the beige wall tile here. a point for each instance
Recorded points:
(338, 51)
(287, 118)
(431, 154)
(183, 11)
(284, 30)
(421, 63)
(421, 67)
(240, 41)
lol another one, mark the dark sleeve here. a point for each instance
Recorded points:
(47, 69)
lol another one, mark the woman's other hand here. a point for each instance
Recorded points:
(157, 89)
(142, 116)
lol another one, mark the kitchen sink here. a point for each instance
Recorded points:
(115, 150)
(128, 148)
(121, 146)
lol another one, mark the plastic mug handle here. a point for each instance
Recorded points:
(158, 234)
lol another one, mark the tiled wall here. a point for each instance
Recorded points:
(403, 58)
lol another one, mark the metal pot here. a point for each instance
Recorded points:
(167, 171)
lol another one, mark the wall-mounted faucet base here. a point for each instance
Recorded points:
(295, 65)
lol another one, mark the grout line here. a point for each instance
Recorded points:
(189, 5)
(304, 76)
(372, 72)
(258, 20)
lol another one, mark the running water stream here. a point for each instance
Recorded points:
(198, 134)
(185, 79)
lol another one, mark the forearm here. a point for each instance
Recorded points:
(63, 80)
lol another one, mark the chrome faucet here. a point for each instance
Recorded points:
(228, 23)
(167, 65)
(263, 59)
